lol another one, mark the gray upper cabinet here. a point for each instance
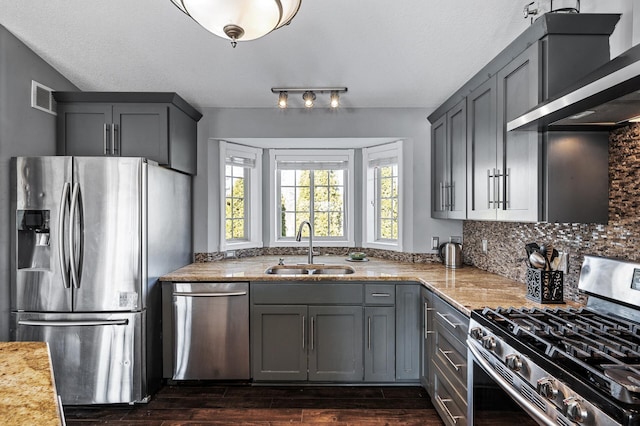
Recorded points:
(482, 151)
(159, 126)
(515, 176)
(505, 167)
(449, 157)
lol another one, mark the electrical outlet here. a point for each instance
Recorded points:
(435, 243)
(485, 246)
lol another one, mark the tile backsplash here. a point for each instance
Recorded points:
(620, 237)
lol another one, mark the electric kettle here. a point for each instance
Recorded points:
(451, 254)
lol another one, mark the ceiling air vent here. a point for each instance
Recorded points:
(42, 98)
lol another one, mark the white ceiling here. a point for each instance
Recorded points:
(402, 53)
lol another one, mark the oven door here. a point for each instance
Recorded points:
(492, 399)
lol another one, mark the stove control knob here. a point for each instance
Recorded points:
(489, 342)
(476, 333)
(547, 388)
(514, 362)
(574, 410)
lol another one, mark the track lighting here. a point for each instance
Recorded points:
(334, 100)
(282, 99)
(309, 95)
(308, 98)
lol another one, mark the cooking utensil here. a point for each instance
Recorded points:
(537, 260)
(530, 248)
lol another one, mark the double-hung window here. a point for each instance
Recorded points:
(314, 186)
(241, 213)
(383, 203)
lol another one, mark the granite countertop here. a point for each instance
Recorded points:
(27, 389)
(466, 288)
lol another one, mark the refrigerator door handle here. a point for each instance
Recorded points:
(64, 263)
(87, 323)
(75, 279)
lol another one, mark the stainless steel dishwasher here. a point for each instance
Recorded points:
(210, 331)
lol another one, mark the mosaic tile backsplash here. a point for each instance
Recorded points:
(620, 237)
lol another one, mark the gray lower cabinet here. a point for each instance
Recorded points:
(380, 333)
(336, 332)
(448, 366)
(307, 331)
(408, 332)
(428, 331)
(159, 126)
(278, 342)
(300, 343)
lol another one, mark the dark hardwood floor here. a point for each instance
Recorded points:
(260, 405)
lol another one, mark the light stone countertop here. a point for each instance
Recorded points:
(466, 288)
(27, 389)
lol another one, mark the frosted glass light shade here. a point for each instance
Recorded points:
(255, 18)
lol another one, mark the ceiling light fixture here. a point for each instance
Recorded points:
(308, 98)
(282, 99)
(334, 100)
(309, 95)
(240, 20)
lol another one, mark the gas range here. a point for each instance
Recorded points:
(570, 366)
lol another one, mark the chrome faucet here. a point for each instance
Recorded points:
(299, 238)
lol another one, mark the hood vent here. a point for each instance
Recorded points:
(609, 97)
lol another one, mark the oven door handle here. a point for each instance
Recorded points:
(531, 409)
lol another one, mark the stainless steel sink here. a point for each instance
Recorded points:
(309, 270)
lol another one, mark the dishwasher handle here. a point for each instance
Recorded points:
(209, 294)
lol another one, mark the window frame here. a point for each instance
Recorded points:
(253, 195)
(310, 155)
(371, 204)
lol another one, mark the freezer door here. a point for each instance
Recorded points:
(96, 359)
(39, 266)
(106, 211)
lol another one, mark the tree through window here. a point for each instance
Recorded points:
(313, 186)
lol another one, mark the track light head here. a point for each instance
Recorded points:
(282, 99)
(334, 100)
(308, 97)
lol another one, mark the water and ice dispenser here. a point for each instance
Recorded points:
(34, 250)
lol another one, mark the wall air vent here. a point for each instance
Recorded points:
(42, 98)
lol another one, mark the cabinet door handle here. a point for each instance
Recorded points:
(497, 177)
(115, 143)
(506, 188)
(105, 139)
(380, 295)
(489, 200)
(444, 317)
(442, 196)
(452, 203)
(427, 309)
(445, 354)
(304, 326)
(313, 326)
(369, 333)
(443, 404)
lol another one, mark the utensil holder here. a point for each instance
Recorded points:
(545, 286)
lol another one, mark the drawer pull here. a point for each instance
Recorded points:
(444, 317)
(380, 295)
(445, 354)
(443, 404)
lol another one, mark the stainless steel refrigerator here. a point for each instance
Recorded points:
(91, 236)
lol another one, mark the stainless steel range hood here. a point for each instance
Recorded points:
(606, 98)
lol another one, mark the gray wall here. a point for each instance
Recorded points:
(23, 131)
(238, 123)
